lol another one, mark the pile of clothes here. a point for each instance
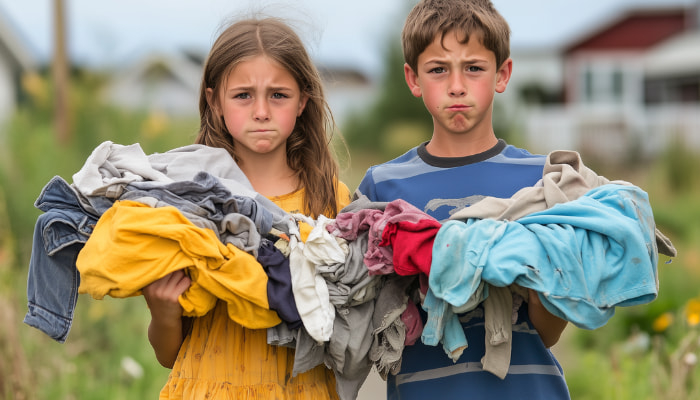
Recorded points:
(347, 294)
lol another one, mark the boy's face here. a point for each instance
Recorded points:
(457, 83)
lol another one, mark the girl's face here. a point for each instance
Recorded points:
(260, 102)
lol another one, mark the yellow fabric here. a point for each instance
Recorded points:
(292, 203)
(221, 359)
(133, 245)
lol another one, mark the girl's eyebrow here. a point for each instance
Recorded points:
(280, 88)
(238, 88)
(249, 88)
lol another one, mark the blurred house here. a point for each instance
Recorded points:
(347, 91)
(159, 82)
(15, 60)
(169, 83)
(626, 88)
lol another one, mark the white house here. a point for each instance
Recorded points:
(629, 87)
(160, 82)
(347, 90)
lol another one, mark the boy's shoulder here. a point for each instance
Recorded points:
(411, 159)
(410, 155)
(417, 174)
(418, 158)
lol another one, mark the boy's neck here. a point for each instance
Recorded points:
(460, 145)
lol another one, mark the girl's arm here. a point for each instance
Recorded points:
(547, 325)
(165, 332)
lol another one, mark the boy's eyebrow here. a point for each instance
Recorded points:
(441, 61)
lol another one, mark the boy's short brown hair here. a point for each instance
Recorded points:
(430, 18)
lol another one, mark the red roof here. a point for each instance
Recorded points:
(636, 30)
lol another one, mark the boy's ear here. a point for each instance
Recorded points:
(212, 101)
(503, 75)
(412, 80)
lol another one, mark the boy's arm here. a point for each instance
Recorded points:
(166, 330)
(547, 325)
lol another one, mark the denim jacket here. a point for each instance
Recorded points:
(53, 280)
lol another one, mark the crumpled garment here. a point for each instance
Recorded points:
(389, 335)
(411, 244)
(499, 331)
(379, 259)
(134, 245)
(279, 283)
(110, 167)
(413, 322)
(309, 287)
(349, 283)
(564, 178)
(584, 257)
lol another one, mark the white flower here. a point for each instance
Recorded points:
(131, 367)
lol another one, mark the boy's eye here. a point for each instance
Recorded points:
(473, 68)
(437, 70)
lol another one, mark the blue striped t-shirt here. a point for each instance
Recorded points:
(440, 186)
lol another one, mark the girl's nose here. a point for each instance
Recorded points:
(261, 112)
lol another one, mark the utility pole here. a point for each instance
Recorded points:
(60, 75)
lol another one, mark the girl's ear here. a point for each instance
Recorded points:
(302, 104)
(212, 101)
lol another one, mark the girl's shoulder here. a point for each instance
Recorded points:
(342, 195)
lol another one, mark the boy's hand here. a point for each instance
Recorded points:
(547, 325)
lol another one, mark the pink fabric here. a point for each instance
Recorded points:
(348, 225)
(414, 325)
(379, 259)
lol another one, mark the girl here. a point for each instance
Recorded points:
(261, 99)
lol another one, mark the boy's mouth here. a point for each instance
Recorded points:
(458, 107)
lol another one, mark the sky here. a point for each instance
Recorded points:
(106, 34)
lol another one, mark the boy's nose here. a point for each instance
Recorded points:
(457, 87)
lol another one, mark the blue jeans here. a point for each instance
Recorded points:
(52, 282)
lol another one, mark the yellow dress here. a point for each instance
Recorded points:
(220, 359)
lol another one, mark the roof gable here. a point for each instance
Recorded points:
(635, 30)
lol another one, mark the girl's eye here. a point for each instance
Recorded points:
(242, 96)
(279, 96)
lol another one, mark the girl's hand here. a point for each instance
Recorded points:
(165, 333)
(162, 295)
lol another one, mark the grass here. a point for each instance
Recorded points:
(107, 354)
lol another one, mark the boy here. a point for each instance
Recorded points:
(457, 58)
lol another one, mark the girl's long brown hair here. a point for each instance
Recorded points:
(308, 147)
